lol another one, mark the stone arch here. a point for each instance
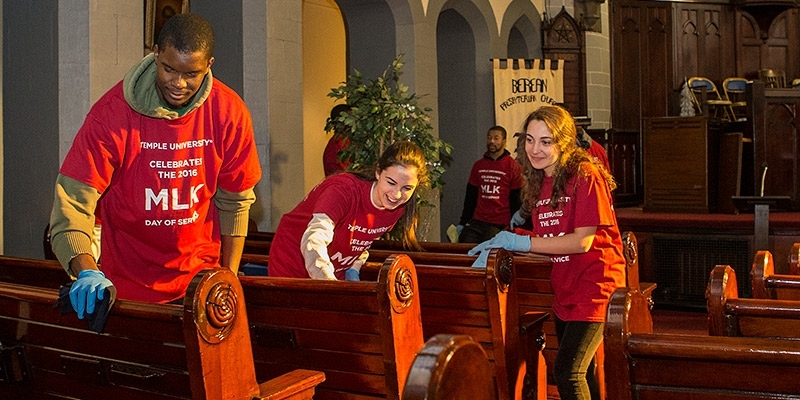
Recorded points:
(371, 35)
(466, 39)
(520, 32)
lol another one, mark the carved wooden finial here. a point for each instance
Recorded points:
(505, 269)
(404, 287)
(216, 315)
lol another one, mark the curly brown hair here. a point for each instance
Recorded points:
(572, 160)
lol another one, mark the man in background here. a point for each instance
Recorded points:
(493, 191)
(330, 157)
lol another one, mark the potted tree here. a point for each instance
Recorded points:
(383, 111)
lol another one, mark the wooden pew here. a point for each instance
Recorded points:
(148, 351)
(482, 303)
(362, 335)
(766, 284)
(450, 367)
(729, 315)
(32, 272)
(532, 277)
(644, 365)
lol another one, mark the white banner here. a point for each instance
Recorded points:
(519, 91)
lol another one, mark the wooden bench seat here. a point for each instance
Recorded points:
(148, 351)
(362, 335)
(729, 315)
(643, 365)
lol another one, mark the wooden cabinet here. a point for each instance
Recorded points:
(680, 164)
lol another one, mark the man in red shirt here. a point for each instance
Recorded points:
(493, 191)
(330, 157)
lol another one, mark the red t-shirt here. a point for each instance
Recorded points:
(346, 200)
(582, 283)
(330, 157)
(158, 178)
(599, 153)
(495, 179)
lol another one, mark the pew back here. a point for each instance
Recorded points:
(729, 315)
(32, 272)
(643, 365)
(149, 351)
(482, 303)
(457, 298)
(362, 335)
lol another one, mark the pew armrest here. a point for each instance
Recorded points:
(532, 338)
(532, 322)
(298, 384)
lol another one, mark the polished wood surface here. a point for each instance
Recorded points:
(532, 279)
(680, 164)
(362, 335)
(458, 298)
(767, 284)
(149, 351)
(450, 367)
(729, 315)
(646, 365)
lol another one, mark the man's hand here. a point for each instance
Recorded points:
(87, 290)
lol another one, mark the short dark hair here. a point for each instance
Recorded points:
(501, 129)
(187, 33)
(338, 109)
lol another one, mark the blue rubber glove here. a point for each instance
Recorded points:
(482, 259)
(87, 289)
(459, 229)
(505, 240)
(516, 220)
(352, 275)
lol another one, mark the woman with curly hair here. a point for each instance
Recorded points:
(575, 224)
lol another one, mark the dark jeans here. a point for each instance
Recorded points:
(478, 231)
(574, 368)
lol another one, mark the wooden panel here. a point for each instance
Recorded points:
(626, 66)
(680, 164)
(563, 39)
(641, 62)
(772, 118)
(625, 159)
(705, 36)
